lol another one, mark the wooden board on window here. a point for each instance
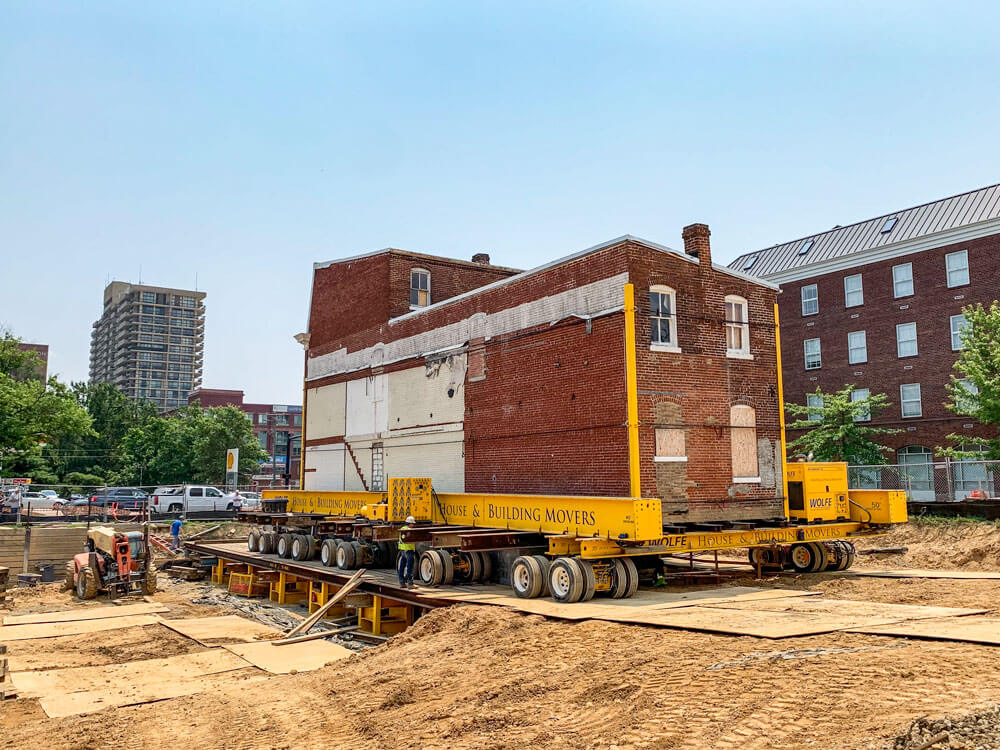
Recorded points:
(670, 443)
(743, 437)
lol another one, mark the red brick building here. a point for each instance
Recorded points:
(488, 379)
(42, 351)
(275, 425)
(878, 304)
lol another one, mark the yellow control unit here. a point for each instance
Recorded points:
(817, 491)
(878, 506)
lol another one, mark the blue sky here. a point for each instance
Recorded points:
(243, 141)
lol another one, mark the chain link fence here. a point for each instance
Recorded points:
(925, 481)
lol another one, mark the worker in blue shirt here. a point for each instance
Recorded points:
(175, 532)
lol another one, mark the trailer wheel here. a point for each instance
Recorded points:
(544, 564)
(488, 569)
(633, 577)
(566, 580)
(149, 585)
(302, 547)
(253, 541)
(447, 566)
(527, 578)
(430, 569)
(589, 579)
(801, 557)
(268, 543)
(847, 556)
(822, 557)
(328, 552)
(70, 581)
(284, 545)
(345, 556)
(359, 553)
(474, 563)
(86, 583)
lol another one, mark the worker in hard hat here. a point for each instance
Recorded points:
(407, 552)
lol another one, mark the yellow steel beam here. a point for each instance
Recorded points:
(346, 503)
(632, 394)
(781, 411)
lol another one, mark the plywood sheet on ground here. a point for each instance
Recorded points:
(850, 608)
(53, 682)
(763, 624)
(86, 613)
(214, 631)
(920, 573)
(78, 627)
(117, 695)
(295, 657)
(971, 629)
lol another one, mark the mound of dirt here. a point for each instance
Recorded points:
(980, 730)
(968, 545)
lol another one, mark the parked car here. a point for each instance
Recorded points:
(125, 498)
(159, 500)
(191, 498)
(45, 500)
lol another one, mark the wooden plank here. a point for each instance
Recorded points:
(56, 629)
(214, 631)
(52, 682)
(347, 588)
(971, 629)
(849, 608)
(299, 657)
(920, 573)
(87, 613)
(313, 636)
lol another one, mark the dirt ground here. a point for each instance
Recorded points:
(488, 677)
(937, 544)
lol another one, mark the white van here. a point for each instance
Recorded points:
(190, 498)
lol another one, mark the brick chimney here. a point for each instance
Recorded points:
(483, 258)
(696, 243)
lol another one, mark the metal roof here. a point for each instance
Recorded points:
(939, 216)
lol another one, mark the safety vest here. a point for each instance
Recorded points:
(404, 546)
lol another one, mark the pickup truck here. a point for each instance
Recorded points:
(189, 498)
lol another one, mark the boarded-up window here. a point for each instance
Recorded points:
(743, 431)
(670, 445)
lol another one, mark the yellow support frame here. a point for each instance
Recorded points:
(632, 394)
(781, 410)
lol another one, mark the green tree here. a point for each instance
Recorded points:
(32, 412)
(840, 429)
(975, 392)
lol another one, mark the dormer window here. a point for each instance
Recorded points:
(420, 288)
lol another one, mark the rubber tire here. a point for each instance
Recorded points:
(804, 564)
(267, 543)
(229, 507)
(345, 556)
(619, 579)
(430, 570)
(566, 580)
(544, 563)
(526, 577)
(175, 508)
(70, 583)
(475, 564)
(633, 577)
(589, 580)
(359, 554)
(822, 557)
(298, 547)
(847, 559)
(149, 587)
(328, 552)
(447, 565)
(757, 556)
(86, 584)
(253, 541)
(284, 546)
(488, 568)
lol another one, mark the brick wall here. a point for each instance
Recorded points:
(449, 278)
(931, 306)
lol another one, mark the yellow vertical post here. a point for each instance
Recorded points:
(781, 410)
(632, 393)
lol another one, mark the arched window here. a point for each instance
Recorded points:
(663, 318)
(737, 327)
(420, 287)
(916, 467)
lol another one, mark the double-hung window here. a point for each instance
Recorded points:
(813, 354)
(902, 280)
(810, 299)
(909, 400)
(906, 340)
(737, 328)
(420, 287)
(958, 325)
(957, 268)
(814, 401)
(860, 394)
(854, 294)
(857, 347)
(662, 318)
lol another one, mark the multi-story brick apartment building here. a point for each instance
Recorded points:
(42, 352)
(278, 428)
(878, 304)
(149, 342)
(488, 379)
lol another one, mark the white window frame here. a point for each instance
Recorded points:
(849, 291)
(950, 268)
(818, 353)
(734, 324)
(908, 280)
(859, 394)
(852, 347)
(900, 342)
(814, 401)
(956, 331)
(671, 318)
(425, 272)
(903, 400)
(810, 299)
